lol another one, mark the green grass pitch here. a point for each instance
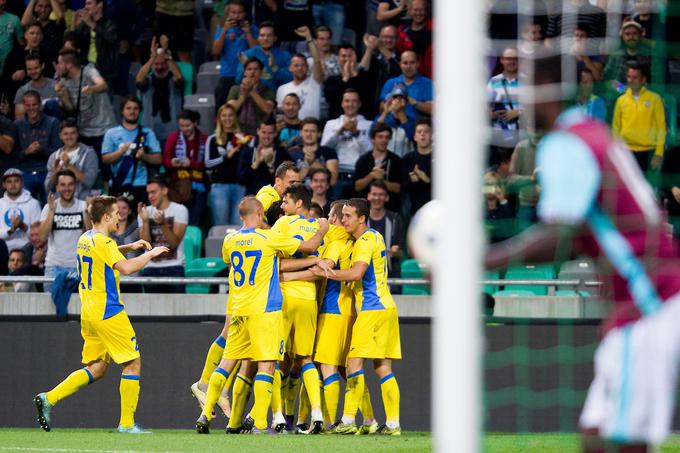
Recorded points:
(23, 440)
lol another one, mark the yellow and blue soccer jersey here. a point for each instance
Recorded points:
(267, 195)
(334, 233)
(99, 287)
(338, 296)
(302, 228)
(372, 292)
(254, 274)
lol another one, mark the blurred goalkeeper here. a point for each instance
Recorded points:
(595, 201)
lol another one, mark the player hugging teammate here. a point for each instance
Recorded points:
(308, 304)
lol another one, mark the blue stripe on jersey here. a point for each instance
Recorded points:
(369, 290)
(626, 263)
(113, 305)
(275, 298)
(331, 297)
(620, 431)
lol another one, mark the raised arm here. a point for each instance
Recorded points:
(127, 267)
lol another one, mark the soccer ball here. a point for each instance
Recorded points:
(424, 230)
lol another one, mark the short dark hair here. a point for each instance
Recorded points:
(379, 183)
(378, 128)
(346, 45)
(643, 68)
(351, 91)
(310, 120)
(65, 172)
(298, 192)
(336, 207)
(130, 98)
(274, 212)
(268, 121)
(316, 170)
(293, 95)
(268, 24)
(33, 56)
(285, 166)
(253, 60)
(236, 2)
(157, 179)
(361, 206)
(190, 115)
(298, 55)
(68, 122)
(425, 121)
(70, 56)
(99, 206)
(321, 28)
(32, 93)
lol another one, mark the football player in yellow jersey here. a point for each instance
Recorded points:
(336, 318)
(375, 334)
(254, 333)
(105, 327)
(285, 176)
(299, 305)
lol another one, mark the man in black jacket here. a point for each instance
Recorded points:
(260, 159)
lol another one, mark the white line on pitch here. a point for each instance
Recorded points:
(78, 450)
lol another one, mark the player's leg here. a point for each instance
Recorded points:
(331, 389)
(289, 395)
(390, 395)
(262, 388)
(216, 385)
(243, 386)
(129, 393)
(304, 409)
(353, 394)
(212, 360)
(278, 421)
(310, 376)
(370, 424)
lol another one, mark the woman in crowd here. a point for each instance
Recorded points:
(222, 159)
(75, 156)
(183, 158)
(127, 233)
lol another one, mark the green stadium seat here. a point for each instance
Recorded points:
(193, 239)
(491, 289)
(187, 70)
(203, 267)
(528, 272)
(411, 269)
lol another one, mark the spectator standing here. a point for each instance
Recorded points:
(52, 29)
(83, 94)
(37, 82)
(592, 18)
(18, 210)
(15, 64)
(233, 37)
(184, 161)
(162, 91)
(418, 168)
(63, 219)
(275, 60)
(418, 88)
(394, 115)
(380, 164)
(8, 135)
(288, 121)
(591, 104)
(175, 19)
(306, 86)
(323, 38)
(632, 51)
(640, 120)
(74, 156)
(37, 139)
(352, 75)
(504, 109)
(417, 35)
(307, 154)
(579, 49)
(498, 213)
(253, 100)
(260, 159)
(383, 12)
(221, 160)
(522, 179)
(130, 149)
(388, 223)
(163, 223)
(289, 16)
(383, 67)
(11, 34)
(349, 136)
(98, 39)
(320, 183)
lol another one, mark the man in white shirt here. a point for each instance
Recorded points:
(163, 223)
(349, 135)
(18, 210)
(307, 87)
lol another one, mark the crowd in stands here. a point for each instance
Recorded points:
(95, 94)
(629, 85)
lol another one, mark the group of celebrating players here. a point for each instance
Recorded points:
(308, 303)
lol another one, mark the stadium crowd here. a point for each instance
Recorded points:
(94, 102)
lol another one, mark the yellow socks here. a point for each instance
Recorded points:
(241, 392)
(310, 376)
(331, 395)
(215, 386)
(263, 395)
(73, 382)
(303, 406)
(354, 392)
(390, 396)
(129, 396)
(277, 406)
(366, 407)
(213, 358)
(289, 394)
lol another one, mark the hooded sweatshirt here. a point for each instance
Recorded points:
(28, 210)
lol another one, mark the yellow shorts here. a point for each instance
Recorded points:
(333, 336)
(112, 338)
(256, 337)
(375, 335)
(299, 326)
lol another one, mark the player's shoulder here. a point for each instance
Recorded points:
(267, 191)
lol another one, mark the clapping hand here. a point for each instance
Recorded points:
(159, 217)
(51, 202)
(33, 148)
(370, 41)
(142, 212)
